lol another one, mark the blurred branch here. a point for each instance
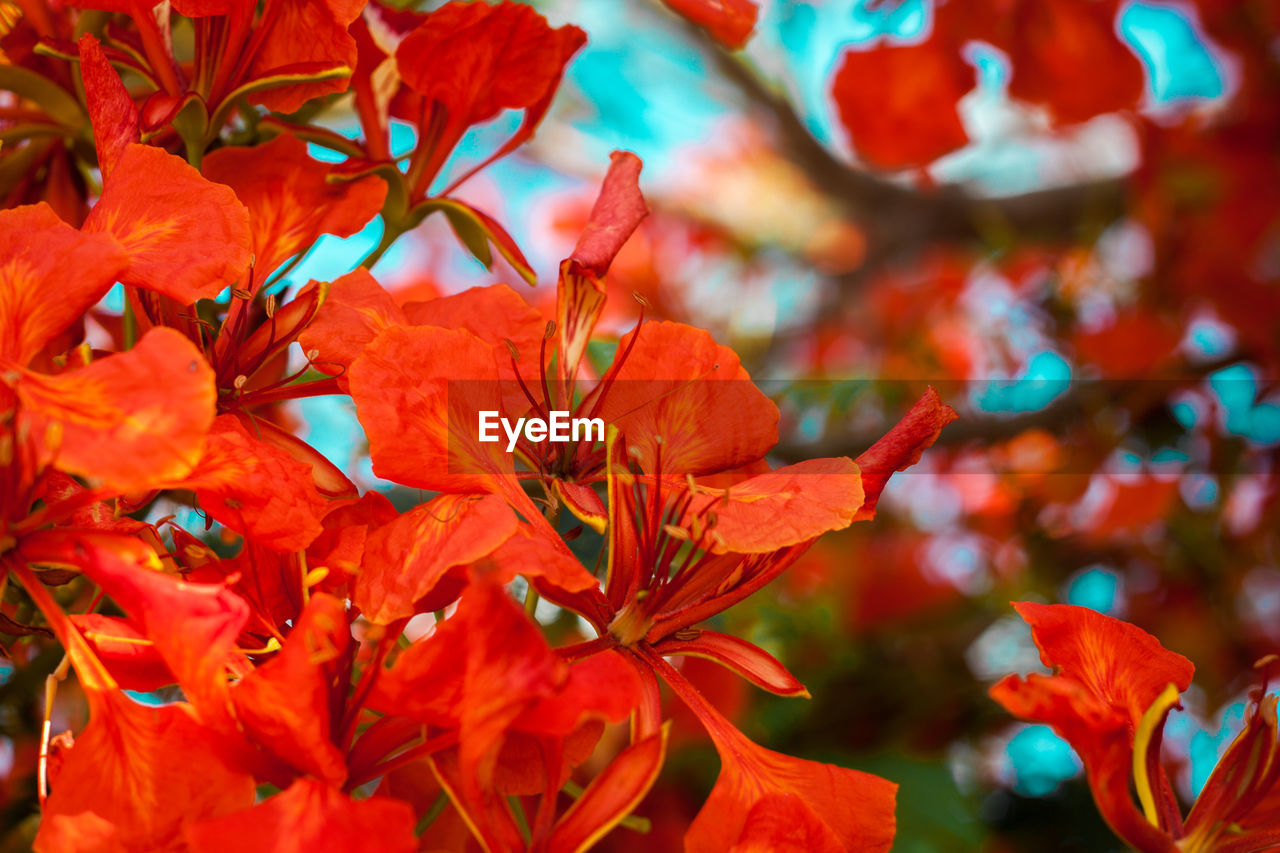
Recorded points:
(1082, 400)
(899, 219)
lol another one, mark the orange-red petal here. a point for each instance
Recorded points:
(898, 102)
(580, 293)
(306, 34)
(187, 237)
(145, 771)
(50, 275)
(679, 389)
(284, 705)
(256, 489)
(478, 59)
(1117, 662)
(405, 560)
(290, 199)
(310, 815)
(901, 447)
(355, 309)
(611, 796)
(131, 421)
(787, 506)
(111, 111)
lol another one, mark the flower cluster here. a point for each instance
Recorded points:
(304, 715)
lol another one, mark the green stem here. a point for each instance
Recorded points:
(390, 234)
(522, 822)
(431, 814)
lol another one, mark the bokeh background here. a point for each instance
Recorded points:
(1098, 299)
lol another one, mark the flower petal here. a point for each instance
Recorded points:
(729, 22)
(611, 796)
(290, 199)
(50, 274)
(913, 120)
(679, 389)
(580, 293)
(284, 705)
(187, 237)
(111, 111)
(405, 560)
(901, 447)
(310, 815)
(132, 421)
(787, 506)
(1119, 663)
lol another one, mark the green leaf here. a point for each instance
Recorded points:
(56, 101)
(477, 231)
(272, 81)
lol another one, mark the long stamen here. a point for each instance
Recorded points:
(528, 395)
(611, 374)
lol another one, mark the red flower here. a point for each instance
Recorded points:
(136, 774)
(1113, 687)
(446, 71)
(125, 422)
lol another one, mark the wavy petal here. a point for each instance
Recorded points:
(311, 32)
(787, 506)
(478, 59)
(290, 199)
(1119, 663)
(405, 560)
(50, 274)
(132, 421)
(679, 389)
(256, 489)
(187, 237)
